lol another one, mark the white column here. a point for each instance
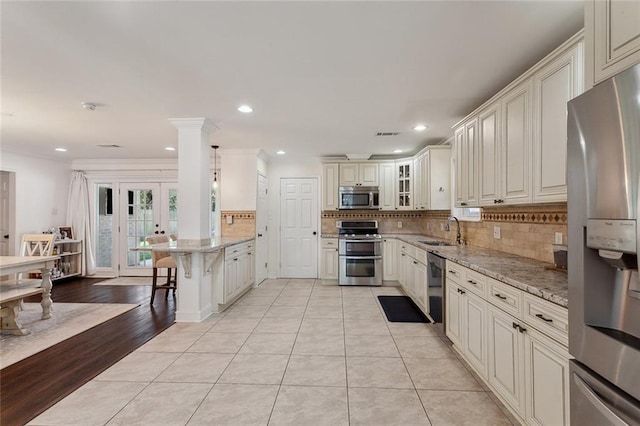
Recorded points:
(194, 298)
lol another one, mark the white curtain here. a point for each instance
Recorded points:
(79, 218)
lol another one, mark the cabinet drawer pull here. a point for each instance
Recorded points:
(518, 327)
(415, 263)
(543, 318)
(472, 282)
(235, 260)
(461, 291)
(452, 272)
(499, 296)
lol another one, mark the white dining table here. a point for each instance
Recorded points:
(16, 264)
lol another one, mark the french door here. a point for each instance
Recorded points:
(145, 209)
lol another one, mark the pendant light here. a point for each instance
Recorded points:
(215, 165)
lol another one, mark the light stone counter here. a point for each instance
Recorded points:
(215, 244)
(529, 275)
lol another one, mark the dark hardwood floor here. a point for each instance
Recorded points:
(29, 387)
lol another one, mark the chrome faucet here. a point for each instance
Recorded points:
(448, 228)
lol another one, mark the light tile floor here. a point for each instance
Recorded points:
(290, 352)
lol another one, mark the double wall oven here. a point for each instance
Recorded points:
(359, 253)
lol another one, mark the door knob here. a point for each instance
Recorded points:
(156, 232)
(315, 233)
(162, 232)
(259, 234)
(6, 236)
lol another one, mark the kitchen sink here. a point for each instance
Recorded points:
(437, 243)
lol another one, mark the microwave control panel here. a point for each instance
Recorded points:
(614, 235)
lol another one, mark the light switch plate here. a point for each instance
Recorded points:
(496, 232)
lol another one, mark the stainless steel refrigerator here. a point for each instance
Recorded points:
(604, 289)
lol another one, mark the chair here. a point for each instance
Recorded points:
(162, 259)
(35, 245)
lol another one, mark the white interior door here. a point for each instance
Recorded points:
(299, 227)
(7, 213)
(262, 240)
(145, 209)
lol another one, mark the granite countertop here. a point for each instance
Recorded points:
(532, 276)
(529, 275)
(215, 244)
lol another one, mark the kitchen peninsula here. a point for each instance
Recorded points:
(211, 275)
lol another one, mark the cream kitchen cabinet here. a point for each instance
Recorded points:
(387, 186)
(389, 259)
(466, 153)
(414, 275)
(358, 174)
(466, 317)
(516, 342)
(404, 185)
(330, 186)
(613, 37)
(329, 261)
(432, 179)
(554, 85)
(239, 273)
(512, 149)
(489, 155)
(515, 167)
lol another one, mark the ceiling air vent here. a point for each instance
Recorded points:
(110, 146)
(387, 133)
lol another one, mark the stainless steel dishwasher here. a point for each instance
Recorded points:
(436, 283)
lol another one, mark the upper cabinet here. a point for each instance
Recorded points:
(404, 183)
(387, 185)
(513, 149)
(359, 174)
(433, 179)
(554, 85)
(330, 185)
(612, 30)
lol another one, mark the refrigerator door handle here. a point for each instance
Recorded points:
(597, 402)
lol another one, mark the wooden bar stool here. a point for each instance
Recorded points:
(162, 259)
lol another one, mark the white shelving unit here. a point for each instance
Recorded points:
(70, 262)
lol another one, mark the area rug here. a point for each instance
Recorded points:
(401, 309)
(130, 281)
(67, 320)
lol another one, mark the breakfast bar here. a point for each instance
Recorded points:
(202, 287)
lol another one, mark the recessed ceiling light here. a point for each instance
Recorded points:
(169, 148)
(61, 149)
(245, 108)
(7, 114)
(397, 151)
(88, 106)
(281, 152)
(419, 127)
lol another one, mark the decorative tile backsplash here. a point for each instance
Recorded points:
(244, 223)
(527, 231)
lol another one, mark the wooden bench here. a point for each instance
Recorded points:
(10, 300)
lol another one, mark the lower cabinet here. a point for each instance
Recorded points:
(329, 269)
(466, 318)
(413, 275)
(527, 367)
(389, 259)
(239, 273)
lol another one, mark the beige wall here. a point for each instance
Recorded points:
(527, 231)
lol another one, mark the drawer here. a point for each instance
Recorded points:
(547, 317)
(475, 282)
(237, 249)
(455, 272)
(421, 256)
(330, 243)
(408, 249)
(505, 297)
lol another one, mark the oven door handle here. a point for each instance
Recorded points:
(361, 257)
(597, 402)
(362, 241)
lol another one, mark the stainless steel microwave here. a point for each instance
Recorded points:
(359, 197)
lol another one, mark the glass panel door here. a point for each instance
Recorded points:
(139, 218)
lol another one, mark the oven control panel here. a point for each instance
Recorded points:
(615, 235)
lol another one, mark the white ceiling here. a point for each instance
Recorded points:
(322, 77)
